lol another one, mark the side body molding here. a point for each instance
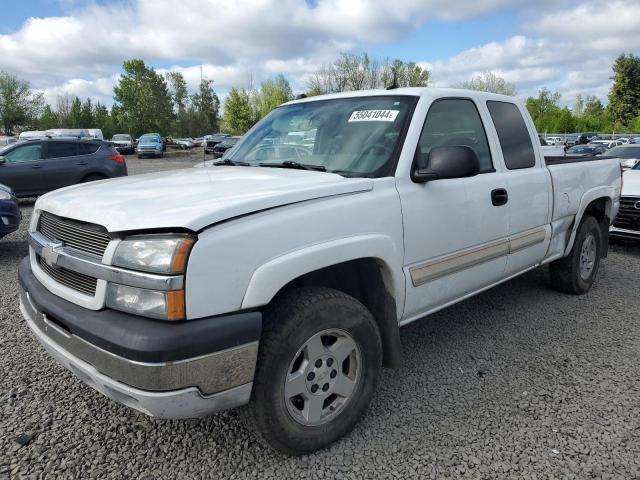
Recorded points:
(269, 278)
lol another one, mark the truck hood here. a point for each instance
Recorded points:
(193, 198)
(631, 187)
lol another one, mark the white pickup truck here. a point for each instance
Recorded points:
(279, 276)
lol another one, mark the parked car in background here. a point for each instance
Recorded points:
(38, 166)
(584, 138)
(9, 211)
(123, 143)
(221, 148)
(630, 154)
(557, 141)
(627, 223)
(150, 144)
(4, 141)
(283, 282)
(211, 141)
(635, 140)
(590, 150)
(184, 143)
(68, 133)
(28, 135)
(96, 133)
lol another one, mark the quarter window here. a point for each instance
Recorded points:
(513, 134)
(456, 122)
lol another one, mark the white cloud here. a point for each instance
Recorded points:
(563, 45)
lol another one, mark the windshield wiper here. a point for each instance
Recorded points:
(226, 161)
(292, 164)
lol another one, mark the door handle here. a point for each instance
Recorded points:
(82, 163)
(36, 166)
(499, 197)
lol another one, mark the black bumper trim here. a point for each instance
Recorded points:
(138, 338)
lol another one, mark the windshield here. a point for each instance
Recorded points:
(350, 136)
(624, 152)
(122, 137)
(149, 139)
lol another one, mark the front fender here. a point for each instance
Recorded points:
(272, 276)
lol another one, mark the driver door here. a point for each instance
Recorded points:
(455, 229)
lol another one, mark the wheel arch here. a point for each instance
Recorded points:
(597, 203)
(358, 268)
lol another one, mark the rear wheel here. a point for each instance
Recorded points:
(577, 271)
(318, 366)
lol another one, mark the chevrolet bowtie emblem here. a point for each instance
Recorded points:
(49, 253)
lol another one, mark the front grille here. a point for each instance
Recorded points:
(84, 237)
(629, 216)
(144, 147)
(74, 280)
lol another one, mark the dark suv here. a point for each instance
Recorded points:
(35, 167)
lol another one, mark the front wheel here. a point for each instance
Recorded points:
(318, 366)
(577, 271)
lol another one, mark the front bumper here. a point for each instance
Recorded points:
(142, 367)
(624, 233)
(9, 217)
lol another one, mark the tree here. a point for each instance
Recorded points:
(564, 122)
(578, 109)
(48, 119)
(143, 98)
(544, 109)
(102, 120)
(206, 106)
(273, 93)
(490, 82)
(406, 74)
(19, 106)
(358, 72)
(75, 114)
(237, 111)
(624, 97)
(86, 114)
(63, 109)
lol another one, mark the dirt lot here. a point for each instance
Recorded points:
(518, 382)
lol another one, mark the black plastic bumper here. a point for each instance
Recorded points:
(138, 338)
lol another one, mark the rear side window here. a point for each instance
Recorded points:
(62, 149)
(87, 148)
(513, 134)
(454, 122)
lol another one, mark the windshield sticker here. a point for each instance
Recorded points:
(374, 116)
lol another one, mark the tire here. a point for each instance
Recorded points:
(577, 271)
(299, 320)
(139, 156)
(94, 177)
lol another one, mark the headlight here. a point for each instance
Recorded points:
(154, 253)
(148, 303)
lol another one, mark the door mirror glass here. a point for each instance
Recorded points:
(455, 161)
(2, 160)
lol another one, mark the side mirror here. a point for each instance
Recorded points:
(2, 160)
(455, 161)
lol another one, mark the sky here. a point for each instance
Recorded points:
(77, 47)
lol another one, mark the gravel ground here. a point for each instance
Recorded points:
(518, 382)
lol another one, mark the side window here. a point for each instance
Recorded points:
(25, 153)
(455, 122)
(513, 134)
(61, 149)
(87, 148)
